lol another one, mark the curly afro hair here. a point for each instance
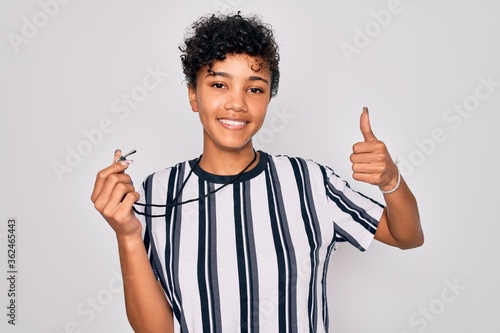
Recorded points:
(213, 37)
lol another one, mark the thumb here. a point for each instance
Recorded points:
(366, 128)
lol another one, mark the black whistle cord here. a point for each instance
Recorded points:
(175, 203)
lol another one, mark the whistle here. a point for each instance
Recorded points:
(124, 157)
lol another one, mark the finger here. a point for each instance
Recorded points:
(369, 147)
(125, 208)
(123, 219)
(102, 199)
(116, 199)
(365, 126)
(368, 168)
(111, 181)
(103, 175)
(368, 158)
(118, 154)
(129, 199)
(370, 178)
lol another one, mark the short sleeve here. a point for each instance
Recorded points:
(355, 216)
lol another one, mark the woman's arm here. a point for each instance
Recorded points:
(146, 304)
(400, 223)
(145, 301)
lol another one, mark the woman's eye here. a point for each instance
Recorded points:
(256, 90)
(218, 85)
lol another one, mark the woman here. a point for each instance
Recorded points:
(238, 239)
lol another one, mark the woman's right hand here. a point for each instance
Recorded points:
(114, 195)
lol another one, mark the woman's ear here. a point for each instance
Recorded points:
(192, 98)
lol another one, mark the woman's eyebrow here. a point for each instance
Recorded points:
(258, 78)
(224, 74)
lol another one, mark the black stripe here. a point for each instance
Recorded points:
(252, 259)
(207, 260)
(201, 271)
(341, 236)
(168, 269)
(279, 256)
(326, 321)
(153, 257)
(173, 225)
(287, 281)
(241, 258)
(312, 229)
(213, 281)
(357, 213)
(168, 281)
(147, 231)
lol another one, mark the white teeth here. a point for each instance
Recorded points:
(232, 122)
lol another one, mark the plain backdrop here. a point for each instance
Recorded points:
(76, 83)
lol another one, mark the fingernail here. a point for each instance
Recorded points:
(117, 150)
(126, 162)
(365, 109)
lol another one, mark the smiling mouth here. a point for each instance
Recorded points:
(232, 122)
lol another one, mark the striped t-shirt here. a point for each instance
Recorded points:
(252, 257)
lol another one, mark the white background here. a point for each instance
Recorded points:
(61, 80)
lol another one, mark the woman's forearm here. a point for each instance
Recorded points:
(146, 304)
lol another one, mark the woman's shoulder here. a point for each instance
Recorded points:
(296, 160)
(162, 175)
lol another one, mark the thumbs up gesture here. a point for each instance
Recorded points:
(371, 162)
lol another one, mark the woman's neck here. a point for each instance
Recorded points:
(228, 162)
